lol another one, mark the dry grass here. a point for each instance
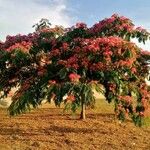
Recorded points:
(47, 128)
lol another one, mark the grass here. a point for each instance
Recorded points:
(147, 122)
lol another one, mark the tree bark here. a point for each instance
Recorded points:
(82, 115)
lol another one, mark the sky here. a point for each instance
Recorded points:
(18, 16)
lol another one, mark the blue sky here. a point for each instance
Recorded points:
(18, 16)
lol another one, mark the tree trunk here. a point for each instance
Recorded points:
(82, 115)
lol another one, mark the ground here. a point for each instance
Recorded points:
(46, 128)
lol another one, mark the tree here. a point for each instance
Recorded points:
(54, 63)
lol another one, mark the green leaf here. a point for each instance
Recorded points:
(63, 73)
(128, 54)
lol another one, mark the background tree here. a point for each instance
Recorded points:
(56, 62)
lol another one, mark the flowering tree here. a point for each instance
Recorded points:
(54, 63)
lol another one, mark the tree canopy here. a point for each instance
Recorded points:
(55, 62)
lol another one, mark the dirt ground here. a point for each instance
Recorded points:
(47, 128)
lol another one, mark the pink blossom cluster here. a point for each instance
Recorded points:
(12, 40)
(23, 46)
(123, 24)
(104, 49)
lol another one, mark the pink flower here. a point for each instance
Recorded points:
(23, 46)
(145, 52)
(133, 70)
(81, 25)
(127, 99)
(70, 98)
(140, 29)
(55, 52)
(141, 114)
(74, 77)
(52, 82)
(107, 53)
(65, 46)
(112, 86)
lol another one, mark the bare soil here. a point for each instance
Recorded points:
(47, 128)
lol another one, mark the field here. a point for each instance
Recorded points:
(46, 128)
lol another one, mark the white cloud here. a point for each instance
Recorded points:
(18, 16)
(145, 46)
